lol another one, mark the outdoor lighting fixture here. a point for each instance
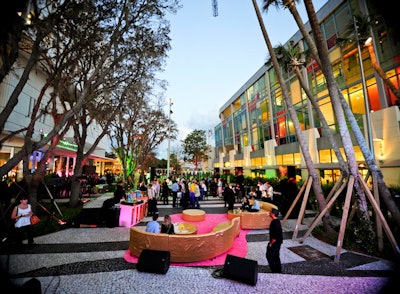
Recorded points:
(364, 88)
(61, 222)
(368, 41)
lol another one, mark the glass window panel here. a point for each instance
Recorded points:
(279, 159)
(325, 156)
(288, 159)
(358, 154)
(357, 100)
(297, 158)
(295, 91)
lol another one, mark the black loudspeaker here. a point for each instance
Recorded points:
(241, 269)
(32, 286)
(154, 261)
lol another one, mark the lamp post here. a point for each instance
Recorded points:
(169, 135)
(364, 87)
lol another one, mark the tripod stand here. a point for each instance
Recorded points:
(53, 204)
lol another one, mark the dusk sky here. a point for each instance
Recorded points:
(212, 57)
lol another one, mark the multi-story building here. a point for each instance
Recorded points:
(256, 135)
(62, 161)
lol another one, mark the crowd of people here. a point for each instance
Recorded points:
(190, 192)
(187, 193)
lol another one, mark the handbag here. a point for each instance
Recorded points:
(34, 219)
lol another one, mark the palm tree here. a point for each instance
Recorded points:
(292, 112)
(363, 26)
(368, 156)
(292, 58)
(320, 54)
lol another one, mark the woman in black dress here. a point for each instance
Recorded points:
(167, 227)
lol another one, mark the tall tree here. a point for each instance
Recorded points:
(319, 195)
(195, 147)
(293, 59)
(319, 52)
(369, 158)
(136, 133)
(78, 45)
(12, 25)
(358, 134)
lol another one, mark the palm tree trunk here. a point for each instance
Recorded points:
(302, 142)
(369, 158)
(381, 73)
(336, 104)
(324, 124)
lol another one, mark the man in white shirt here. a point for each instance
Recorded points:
(270, 192)
(174, 188)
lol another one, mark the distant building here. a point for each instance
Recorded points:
(62, 161)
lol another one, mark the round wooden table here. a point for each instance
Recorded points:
(185, 228)
(193, 215)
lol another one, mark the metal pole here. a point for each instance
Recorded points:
(169, 136)
(366, 100)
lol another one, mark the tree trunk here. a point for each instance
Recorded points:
(369, 158)
(326, 68)
(76, 184)
(381, 73)
(303, 144)
(324, 124)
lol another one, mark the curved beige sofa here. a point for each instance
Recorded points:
(255, 220)
(186, 248)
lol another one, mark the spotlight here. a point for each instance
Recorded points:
(61, 222)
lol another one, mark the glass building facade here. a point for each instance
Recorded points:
(256, 134)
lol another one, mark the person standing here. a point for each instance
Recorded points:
(229, 196)
(152, 201)
(119, 193)
(22, 215)
(203, 190)
(213, 188)
(174, 188)
(143, 189)
(275, 242)
(164, 192)
(270, 193)
(219, 188)
(197, 194)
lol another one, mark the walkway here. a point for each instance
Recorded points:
(90, 260)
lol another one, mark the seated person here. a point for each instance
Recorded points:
(167, 227)
(256, 205)
(153, 226)
(245, 204)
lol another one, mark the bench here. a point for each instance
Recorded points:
(186, 248)
(255, 220)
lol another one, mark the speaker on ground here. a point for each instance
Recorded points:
(241, 269)
(154, 261)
